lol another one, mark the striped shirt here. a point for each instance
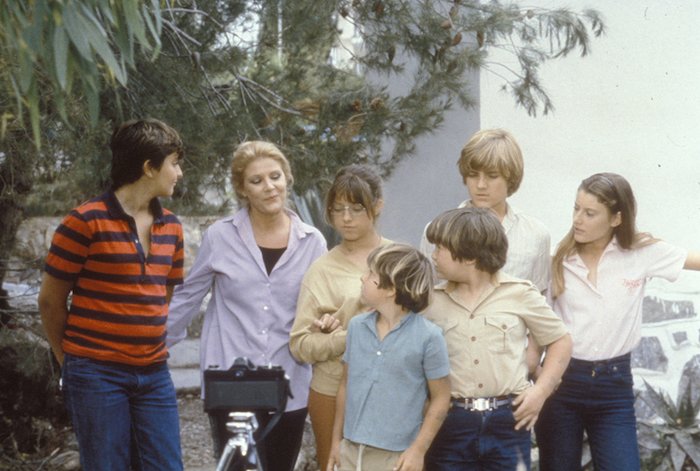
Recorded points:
(118, 310)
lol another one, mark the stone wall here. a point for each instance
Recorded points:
(34, 239)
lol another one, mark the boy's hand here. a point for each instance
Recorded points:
(326, 324)
(527, 407)
(334, 456)
(410, 460)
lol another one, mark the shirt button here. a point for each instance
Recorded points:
(473, 339)
(481, 385)
(504, 327)
(379, 353)
(476, 362)
(265, 308)
(472, 316)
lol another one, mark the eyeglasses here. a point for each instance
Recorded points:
(354, 210)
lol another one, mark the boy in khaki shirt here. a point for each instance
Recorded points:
(486, 316)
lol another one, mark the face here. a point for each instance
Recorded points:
(447, 267)
(592, 221)
(372, 295)
(165, 178)
(487, 189)
(351, 220)
(265, 186)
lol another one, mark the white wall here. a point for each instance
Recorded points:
(631, 107)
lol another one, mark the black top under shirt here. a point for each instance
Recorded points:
(271, 257)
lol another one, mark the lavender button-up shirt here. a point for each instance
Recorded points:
(250, 313)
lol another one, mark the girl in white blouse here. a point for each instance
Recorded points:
(599, 273)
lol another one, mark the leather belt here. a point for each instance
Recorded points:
(482, 404)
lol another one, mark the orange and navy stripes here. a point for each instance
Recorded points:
(118, 309)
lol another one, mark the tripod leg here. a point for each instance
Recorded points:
(226, 457)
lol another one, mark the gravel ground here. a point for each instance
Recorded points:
(197, 452)
(195, 436)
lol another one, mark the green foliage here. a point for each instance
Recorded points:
(671, 441)
(71, 46)
(229, 71)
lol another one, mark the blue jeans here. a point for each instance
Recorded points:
(471, 440)
(125, 417)
(597, 397)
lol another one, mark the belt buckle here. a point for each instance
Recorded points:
(480, 404)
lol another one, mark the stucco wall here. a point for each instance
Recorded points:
(631, 107)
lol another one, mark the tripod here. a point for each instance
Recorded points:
(240, 452)
(236, 393)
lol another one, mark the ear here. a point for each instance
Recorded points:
(378, 206)
(148, 169)
(390, 292)
(616, 219)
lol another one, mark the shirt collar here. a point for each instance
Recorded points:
(508, 219)
(371, 321)
(298, 228)
(613, 246)
(116, 211)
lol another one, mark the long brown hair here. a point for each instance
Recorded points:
(613, 191)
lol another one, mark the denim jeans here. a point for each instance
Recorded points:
(597, 397)
(125, 417)
(484, 441)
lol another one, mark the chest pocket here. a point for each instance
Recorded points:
(502, 333)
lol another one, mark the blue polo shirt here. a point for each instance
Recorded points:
(388, 380)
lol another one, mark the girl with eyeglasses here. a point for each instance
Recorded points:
(600, 270)
(330, 293)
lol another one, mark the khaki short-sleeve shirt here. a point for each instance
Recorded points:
(487, 345)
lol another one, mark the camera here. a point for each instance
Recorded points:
(246, 387)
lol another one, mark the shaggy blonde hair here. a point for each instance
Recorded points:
(493, 149)
(405, 269)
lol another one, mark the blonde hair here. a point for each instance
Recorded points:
(249, 151)
(493, 149)
(405, 269)
(615, 193)
(471, 234)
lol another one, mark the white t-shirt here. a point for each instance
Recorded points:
(605, 320)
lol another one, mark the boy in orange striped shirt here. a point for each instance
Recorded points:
(120, 255)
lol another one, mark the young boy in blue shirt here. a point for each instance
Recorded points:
(394, 361)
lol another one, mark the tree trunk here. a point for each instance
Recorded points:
(17, 162)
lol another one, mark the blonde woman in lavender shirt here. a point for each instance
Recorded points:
(253, 262)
